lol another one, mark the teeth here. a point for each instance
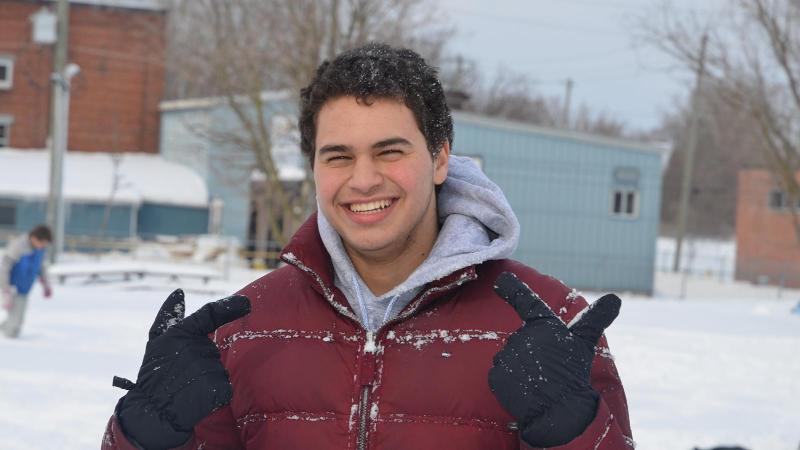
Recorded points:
(370, 206)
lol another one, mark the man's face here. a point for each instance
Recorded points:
(38, 243)
(375, 177)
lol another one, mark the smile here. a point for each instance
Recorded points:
(370, 207)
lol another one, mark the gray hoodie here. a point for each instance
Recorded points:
(477, 225)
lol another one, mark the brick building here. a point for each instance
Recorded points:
(767, 248)
(119, 46)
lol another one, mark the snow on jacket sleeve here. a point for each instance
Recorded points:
(611, 428)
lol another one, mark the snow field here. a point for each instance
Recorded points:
(710, 370)
(721, 367)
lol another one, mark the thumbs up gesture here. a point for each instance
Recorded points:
(182, 379)
(541, 376)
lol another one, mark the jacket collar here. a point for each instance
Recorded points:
(306, 249)
(307, 252)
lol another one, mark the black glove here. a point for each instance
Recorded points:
(541, 376)
(182, 379)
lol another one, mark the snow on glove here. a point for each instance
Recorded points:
(541, 376)
(182, 379)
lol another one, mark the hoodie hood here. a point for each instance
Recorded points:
(476, 225)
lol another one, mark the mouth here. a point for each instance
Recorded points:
(370, 207)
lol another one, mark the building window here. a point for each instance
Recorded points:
(8, 215)
(625, 203)
(625, 192)
(5, 134)
(6, 72)
(779, 200)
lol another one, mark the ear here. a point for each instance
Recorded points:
(440, 164)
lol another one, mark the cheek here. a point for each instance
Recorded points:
(416, 178)
(411, 184)
(326, 186)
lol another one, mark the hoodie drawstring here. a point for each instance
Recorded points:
(361, 305)
(389, 309)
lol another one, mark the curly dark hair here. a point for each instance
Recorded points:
(378, 71)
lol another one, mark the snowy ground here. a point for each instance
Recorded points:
(722, 366)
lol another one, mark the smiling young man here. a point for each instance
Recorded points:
(398, 321)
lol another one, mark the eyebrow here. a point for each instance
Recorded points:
(333, 148)
(380, 144)
(390, 142)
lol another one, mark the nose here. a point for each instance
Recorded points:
(366, 176)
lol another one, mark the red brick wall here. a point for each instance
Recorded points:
(766, 245)
(29, 98)
(114, 102)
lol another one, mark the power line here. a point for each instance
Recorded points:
(582, 57)
(533, 22)
(627, 6)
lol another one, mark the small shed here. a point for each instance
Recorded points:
(588, 205)
(105, 194)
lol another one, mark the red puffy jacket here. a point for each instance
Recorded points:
(306, 375)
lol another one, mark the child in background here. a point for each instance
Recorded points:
(21, 264)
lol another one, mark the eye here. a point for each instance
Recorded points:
(391, 152)
(337, 158)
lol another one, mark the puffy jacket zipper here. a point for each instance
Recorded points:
(362, 418)
(368, 365)
(367, 375)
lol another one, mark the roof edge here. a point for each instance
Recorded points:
(513, 125)
(211, 102)
(139, 5)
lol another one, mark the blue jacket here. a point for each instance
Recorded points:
(26, 270)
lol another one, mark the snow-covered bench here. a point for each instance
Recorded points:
(128, 270)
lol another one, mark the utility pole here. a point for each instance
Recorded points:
(567, 100)
(688, 166)
(59, 123)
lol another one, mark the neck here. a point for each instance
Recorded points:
(383, 275)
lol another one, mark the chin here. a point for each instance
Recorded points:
(367, 246)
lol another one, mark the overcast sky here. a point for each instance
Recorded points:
(589, 41)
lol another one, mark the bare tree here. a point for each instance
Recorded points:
(511, 95)
(117, 182)
(753, 64)
(239, 49)
(601, 123)
(727, 143)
